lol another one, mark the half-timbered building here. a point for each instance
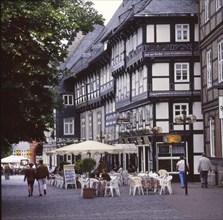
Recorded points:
(211, 47)
(130, 79)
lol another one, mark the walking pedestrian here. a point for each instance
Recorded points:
(7, 171)
(203, 167)
(30, 175)
(42, 174)
(180, 166)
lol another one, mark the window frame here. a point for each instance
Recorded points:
(66, 125)
(181, 109)
(181, 30)
(67, 101)
(218, 4)
(209, 68)
(181, 72)
(207, 10)
(212, 136)
(220, 61)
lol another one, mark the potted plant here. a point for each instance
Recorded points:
(86, 165)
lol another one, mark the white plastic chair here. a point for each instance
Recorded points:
(163, 173)
(142, 174)
(84, 183)
(165, 183)
(125, 177)
(135, 185)
(120, 178)
(92, 181)
(52, 181)
(112, 186)
(59, 181)
(153, 175)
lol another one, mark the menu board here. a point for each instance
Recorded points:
(69, 175)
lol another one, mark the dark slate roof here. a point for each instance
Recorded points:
(169, 8)
(127, 10)
(83, 48)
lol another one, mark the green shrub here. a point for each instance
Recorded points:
(85, 165)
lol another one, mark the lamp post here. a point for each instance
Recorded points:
(154, 131)
(184, 119)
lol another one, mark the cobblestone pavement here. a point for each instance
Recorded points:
(62, 204)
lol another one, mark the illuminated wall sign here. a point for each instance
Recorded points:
(172, 138)
(122, 120)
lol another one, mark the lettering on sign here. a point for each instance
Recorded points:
(69, 176)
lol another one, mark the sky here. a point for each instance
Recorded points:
(106, 7)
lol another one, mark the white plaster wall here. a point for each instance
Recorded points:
(160, 69)
(162, 110)
(196, 32)
(164, 125)
(160, 84)
(139, 36)
(182, 87)
(150, 33)
(163, 33)
(197, 69)
(198, 125)
(197, 110)
(196, 162)
(198, 143)
(197, 83)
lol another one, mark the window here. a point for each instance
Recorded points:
(181, 72)
(68, 99)
(83, 127)
(148, 114)
(68, 126)
(209, 69)
(168, 156)
(139, 82)
(90, 125)
(207, 10)
(179, 108)
(220, 61)
(182, 32)
(99, 123)
(212, 136)
(218, 4)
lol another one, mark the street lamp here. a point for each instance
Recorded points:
(184, 119)
(154, 131)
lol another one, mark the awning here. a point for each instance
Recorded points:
(128, 148)
(13, 159)
(86, 147)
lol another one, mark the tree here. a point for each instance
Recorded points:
(32, 33)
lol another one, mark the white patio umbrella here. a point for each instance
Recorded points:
(13, 159)
(88, 147)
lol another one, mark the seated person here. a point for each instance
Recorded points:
(105, 175)
(95, 174)
(120, 170)
(115, 168)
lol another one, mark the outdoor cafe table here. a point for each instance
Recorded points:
(149, 183)
(99, 187)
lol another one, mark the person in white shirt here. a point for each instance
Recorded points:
(180, 166)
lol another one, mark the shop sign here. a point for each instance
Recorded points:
(172, 138)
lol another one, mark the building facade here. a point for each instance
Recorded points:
(129, 80)
(211, 50)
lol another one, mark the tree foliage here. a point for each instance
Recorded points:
(32, 33)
